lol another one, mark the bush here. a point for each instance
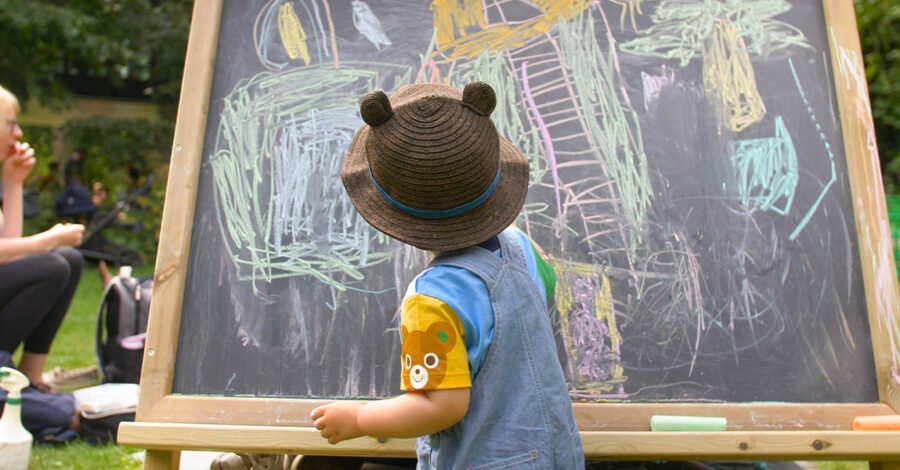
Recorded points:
(879, 31)
(121, 154)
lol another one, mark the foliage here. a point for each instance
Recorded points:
(41, 182)
(50, 45)
(134, 49)
(121, 154)
(879, 30)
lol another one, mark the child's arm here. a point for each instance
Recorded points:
(413, 414)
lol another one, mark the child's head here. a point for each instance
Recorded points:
(430, 169)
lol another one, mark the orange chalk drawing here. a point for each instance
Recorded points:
(450, 18)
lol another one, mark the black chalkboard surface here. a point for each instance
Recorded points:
(689, 182)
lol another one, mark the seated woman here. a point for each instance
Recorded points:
(38, 273)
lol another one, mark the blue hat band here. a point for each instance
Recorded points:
(444, 213)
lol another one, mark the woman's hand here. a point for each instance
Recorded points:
(19, 163)
(65, 234)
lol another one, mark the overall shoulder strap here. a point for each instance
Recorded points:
(476, 260)
(511, 249)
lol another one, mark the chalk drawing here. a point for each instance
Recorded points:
(652, 84)
(766, 170)
(453, 17)
(729, 78)
(542, 127)
(555, 113)
(278, 24)
(496, 69)
(612, 127)
(317, 17)
(275, 164)
(827, 146)
(368, 24)
(292, 34)
(454, 44)
(331, 35)
(584, 301)
(630, 9)
(681, 28)
(627, 257)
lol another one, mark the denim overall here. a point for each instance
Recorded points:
(520, 415)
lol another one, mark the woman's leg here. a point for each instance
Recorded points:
(32, 365)
(34, 297)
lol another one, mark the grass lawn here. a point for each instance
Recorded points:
(74, 348)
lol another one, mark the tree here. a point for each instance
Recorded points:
(126, 48)
(879, 31)
(54, 50)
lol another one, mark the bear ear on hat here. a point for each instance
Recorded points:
(375, 108)
(480, 97)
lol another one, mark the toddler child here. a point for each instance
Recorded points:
(483, 382)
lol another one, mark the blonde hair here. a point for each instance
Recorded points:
(8, 99)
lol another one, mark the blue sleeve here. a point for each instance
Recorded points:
(467, 295)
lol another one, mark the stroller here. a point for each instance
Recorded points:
(75, 203)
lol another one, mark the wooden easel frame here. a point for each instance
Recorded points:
(167, 423)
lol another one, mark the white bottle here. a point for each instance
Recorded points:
(15, 440)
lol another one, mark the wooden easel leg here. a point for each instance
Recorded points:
(884, 465)
(162, 459)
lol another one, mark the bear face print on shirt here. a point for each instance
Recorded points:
(433, 350)
(425, 355)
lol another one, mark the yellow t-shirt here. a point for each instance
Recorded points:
(434, 348)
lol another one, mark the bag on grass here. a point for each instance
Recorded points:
(47, 416)
(122, 327)
(103, 408)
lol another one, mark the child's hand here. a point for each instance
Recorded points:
(338, 421)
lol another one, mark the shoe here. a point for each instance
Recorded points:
(61, 378)
(235, 461)
(230, 461)
(43, 387)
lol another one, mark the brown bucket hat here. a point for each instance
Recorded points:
(430, 169)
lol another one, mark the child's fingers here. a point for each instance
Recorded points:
(333, 438)
(317, 413)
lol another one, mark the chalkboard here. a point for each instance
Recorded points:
(704, 178)
(712, 206)
(689, 182)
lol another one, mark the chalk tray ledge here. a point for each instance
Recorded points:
(616, 445)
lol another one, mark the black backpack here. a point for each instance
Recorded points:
(121, 328)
